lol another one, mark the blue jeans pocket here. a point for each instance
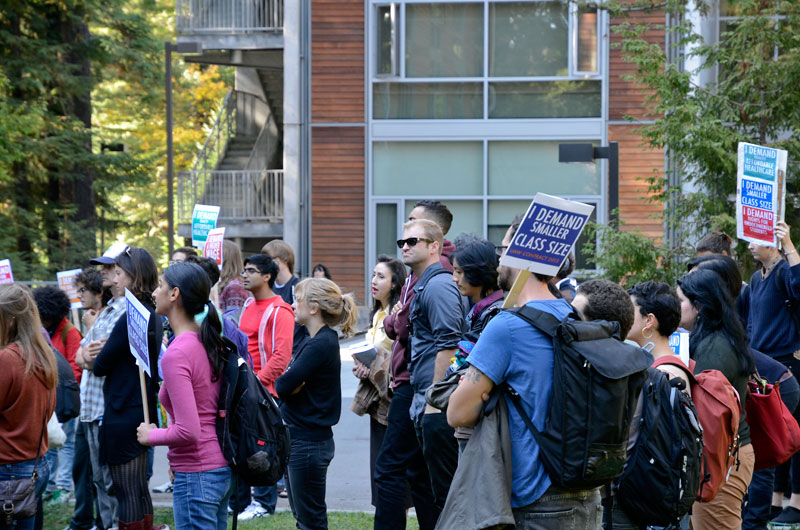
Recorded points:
(214, 484)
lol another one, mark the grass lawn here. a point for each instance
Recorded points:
(57, 518)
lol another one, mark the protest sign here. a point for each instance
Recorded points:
(204, 219)
(213, 247)
(679, 344)
(544, 238)
(138, 321)
(6, 276)
(66, 282)
(760, 192)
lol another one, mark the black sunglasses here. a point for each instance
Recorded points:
(412, 241)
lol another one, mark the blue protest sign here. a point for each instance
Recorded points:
(204, 219)
(760, 192)
(547, 234)
(138, 321)
(679, 344)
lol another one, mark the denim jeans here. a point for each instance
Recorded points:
(66, 454)
(440, 449)
(266, 496)
(200, 499)
(559, 509)
(107, 503)
(23, 470)
(399, 464)
(83, 516)
(308, 472)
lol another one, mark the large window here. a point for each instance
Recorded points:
(486, 60)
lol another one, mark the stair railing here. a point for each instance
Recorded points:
(223, 130)
(259, 155)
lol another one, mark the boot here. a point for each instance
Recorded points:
(138, 525)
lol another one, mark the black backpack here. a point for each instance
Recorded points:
(250, 428)
(597, 379)
(663, 475)
(68, 392)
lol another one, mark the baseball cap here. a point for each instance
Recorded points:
(108, 256)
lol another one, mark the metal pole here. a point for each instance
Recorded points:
(170, 162)
(613, 179)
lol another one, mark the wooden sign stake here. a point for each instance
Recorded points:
(519, 283)
(143, 384)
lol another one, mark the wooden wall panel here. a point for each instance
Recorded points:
(337, 205)
(337, 61)
(635, 164)
(626, 98)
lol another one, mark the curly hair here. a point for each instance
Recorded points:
(53, 304)
(662, 301)
(606, 300)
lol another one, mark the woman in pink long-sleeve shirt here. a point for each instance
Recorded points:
(191, 366)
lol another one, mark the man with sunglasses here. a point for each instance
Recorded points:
(268, 322)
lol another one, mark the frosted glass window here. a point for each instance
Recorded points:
(444, 40)
(500, 216)
(427, 168)
(467, 216)
(386, 229)
(525, 168)
(405, 101)
(545, 99)
(528, 39)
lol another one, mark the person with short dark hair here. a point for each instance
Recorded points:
(512, 351)
(180, 254)
(268, 322)
(438, 213)
(321, 271)
(714, 243)
(601, 299)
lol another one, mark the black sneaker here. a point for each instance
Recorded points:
(774, 511)
(789, 515)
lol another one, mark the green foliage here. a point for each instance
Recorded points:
(75, 74)
(629, 257)
(739, 89)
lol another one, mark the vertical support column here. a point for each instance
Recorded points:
(292, 123)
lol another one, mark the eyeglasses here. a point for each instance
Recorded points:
(82, 290)
(412, 241)
(248, 271)
(499, 250)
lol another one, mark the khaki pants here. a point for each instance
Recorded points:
(725, 511)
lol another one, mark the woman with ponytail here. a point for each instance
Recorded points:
(311, 395)
(192, 366)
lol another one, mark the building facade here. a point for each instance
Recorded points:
(386, 103)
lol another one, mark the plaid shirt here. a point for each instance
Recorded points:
(92, 386)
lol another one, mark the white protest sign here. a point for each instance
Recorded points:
(546, 234)
(138, 322)
(6, 276)
(204, 219)
(760, 192)
(214, 245)
(679, 344)
(66, 282)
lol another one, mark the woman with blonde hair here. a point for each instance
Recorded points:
(28, 381)
(232, 293)
(311, 395)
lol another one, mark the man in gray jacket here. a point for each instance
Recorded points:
(436, 324)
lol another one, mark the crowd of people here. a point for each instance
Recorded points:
(434, 314)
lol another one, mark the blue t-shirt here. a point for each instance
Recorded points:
(512, 351)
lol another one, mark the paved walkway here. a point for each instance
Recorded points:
(348, 475)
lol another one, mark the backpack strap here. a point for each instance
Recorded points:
(674, 360)
(541, 320)
(513, 396)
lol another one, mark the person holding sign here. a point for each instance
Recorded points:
(192, 366)
(771, 308)
(512, 351)
(126, 458)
